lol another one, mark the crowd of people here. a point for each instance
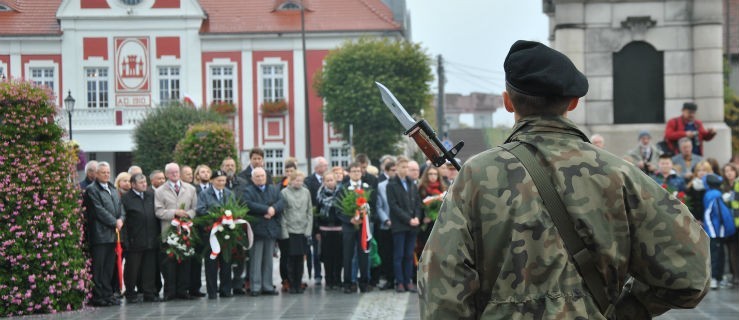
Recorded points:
(298, 218)
(708, 188)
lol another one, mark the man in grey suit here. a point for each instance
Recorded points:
(175, 199)
(106, 217)
(215, 196)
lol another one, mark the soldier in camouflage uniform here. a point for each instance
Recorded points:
(494, 252)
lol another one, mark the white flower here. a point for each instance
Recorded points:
(231, 226)
(228, 213)
(220, 228)
(226, 237)
(365, 186)
(351, 188)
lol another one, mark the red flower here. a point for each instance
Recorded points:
(171, 254)
(360, 192)
(361, 201)
(681, 195)
(184, 238)
(664, 186)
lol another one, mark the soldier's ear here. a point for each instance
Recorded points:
(507, 103)
(573, 104)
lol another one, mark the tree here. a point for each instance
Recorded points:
(43, 262)
(206, 143)
(731, 109)
(347, 83)
(157, 135)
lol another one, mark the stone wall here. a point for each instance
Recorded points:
(688, 32)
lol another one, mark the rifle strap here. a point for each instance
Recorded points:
(583, 259)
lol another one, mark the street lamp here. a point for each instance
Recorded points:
(69, 104)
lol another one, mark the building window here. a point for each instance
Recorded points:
(339, 157)
(43, 77)
(223, 84)
(638, 84)
(97, 87)
(169, 84)
(273, 161)
(2, 74)
(289, 5)
(273, 82)
(131, 2)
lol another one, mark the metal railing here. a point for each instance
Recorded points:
(104, 118)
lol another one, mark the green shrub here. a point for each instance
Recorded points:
(157, 135)
(206, 143)
(43, 262)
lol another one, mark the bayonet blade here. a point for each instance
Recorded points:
(395, 107)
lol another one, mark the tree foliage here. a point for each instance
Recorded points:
(43, 262)
(206, 143)
(158, 134)
(731, 109)
(347, 83)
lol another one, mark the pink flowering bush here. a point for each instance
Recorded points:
(206, 143)
(43, 264)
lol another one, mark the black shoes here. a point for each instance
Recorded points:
(239, 292)
(152, 299)
(185, 296)
(226, 295)
(270, 293)
(197, 294)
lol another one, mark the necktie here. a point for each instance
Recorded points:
(177, 189)
(405, 185)
(220, 195)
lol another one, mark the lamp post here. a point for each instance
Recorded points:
(69, 104)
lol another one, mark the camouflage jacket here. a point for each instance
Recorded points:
(494, 252)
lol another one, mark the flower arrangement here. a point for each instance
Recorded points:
(179, 240)
(432, 204)
(353, 203)
(274, 107)
(223, 108)
(228, 229)
(206, 143)
(44, 262)
(679, 195)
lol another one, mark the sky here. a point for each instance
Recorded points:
(474, 36)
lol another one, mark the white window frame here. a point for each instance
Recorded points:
(170, 80)
(261, 77)
(341, 159)
(98, 80)
(274, 160)
(220, 63)
(36, 64)
(3, 75)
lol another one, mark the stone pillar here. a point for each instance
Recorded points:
(707, 28)
(569, 38)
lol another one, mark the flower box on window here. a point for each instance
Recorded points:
(227, 109)
(274, 107)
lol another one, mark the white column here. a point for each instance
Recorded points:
(299, 115)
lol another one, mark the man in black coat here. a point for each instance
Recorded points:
(142, 240)
(215, 196)
(265, 203)
(256, 160)
(351, 232)
(313, 183)
(405, 217)
(106, 217)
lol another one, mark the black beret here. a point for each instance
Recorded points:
(690, 106)
(218, 173)
(534, 69)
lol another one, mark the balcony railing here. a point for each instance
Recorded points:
(104, 118)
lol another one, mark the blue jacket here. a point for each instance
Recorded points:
(718, 220)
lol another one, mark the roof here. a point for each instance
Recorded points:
(30, 17)
(261, 16)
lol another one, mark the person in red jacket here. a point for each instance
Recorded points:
(686, 125)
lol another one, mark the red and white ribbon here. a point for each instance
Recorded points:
(179, 224)
(227, 221)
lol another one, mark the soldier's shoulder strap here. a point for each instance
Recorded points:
(584, 260)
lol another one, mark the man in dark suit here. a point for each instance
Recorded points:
(265, 203)
(405, 216)
(90, 174)
(256, 160)
(313, 183)
(351, 234)
(142, 240)
(107, 216)
(364, 162)
(383, 162)
(215, 196)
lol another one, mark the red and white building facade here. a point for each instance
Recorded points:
(121, 58)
